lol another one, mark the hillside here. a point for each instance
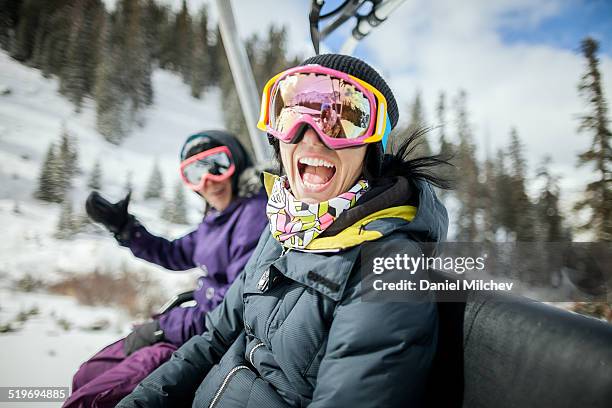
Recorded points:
(54, 339)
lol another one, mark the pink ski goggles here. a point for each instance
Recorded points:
(215, 164)
(344, 110)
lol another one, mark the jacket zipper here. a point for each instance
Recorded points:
(253, 351)
(224, 384)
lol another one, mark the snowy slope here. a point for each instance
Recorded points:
(31, 116)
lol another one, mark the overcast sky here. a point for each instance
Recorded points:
(518, 60)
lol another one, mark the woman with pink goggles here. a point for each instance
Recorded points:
(216, 166)
(295, 329)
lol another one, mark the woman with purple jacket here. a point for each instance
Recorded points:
(216, 166)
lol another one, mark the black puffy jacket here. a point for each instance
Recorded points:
(293, 331)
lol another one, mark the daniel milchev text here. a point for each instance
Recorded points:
(412, 264)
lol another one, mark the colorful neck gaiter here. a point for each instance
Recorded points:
(295, 223)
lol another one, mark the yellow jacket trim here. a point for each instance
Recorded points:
(356, 234)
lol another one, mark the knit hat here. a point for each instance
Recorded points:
(359, 69)
(209, 139)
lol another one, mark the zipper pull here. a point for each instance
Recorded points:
(264, 280)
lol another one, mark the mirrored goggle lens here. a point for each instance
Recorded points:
(216, 164)
(337, 106)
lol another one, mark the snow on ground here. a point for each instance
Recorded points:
(43, 351)
(32, 114)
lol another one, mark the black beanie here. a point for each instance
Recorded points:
(208, 139)
(360, 69)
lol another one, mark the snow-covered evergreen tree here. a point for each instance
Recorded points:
(51, 182)
(95, 177)
(68, 155)
(155, 185)
(58, 170)
(174, 209)
(180, 208)
(47, 190)
(66, 225)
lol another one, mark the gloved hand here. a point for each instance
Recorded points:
(142, 336)
(113, 216)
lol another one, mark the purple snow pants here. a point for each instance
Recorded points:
(107, 377)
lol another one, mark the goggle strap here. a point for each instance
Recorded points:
(385, 137)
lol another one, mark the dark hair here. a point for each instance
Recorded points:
(399, 163)
(404, 162)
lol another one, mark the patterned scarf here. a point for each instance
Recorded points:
(295, 223)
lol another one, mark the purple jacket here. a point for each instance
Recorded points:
(221, 246)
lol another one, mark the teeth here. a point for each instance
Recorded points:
(311, 185)
(312, 161)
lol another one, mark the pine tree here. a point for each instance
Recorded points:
(9, 17)
(167, 42)
(52, 40)
(216, 54)
(200, 71)
(42, 34)
(272, 53)
(415, 123)
(598, 194)
(95, 177)
(417, 114)
(502, 205)
(180, 209)
(29, 22)
(490, 221)
(123, 89)
(112, 117)
(549, 214)
(84, 46)
(184, 43)
(137, 74)
(522, 217)
(155, 185)
(175, 209)
(467, 184)
(68, 153)
(155, 22)
(58, 170)
(48, 182)
(67, 225)
(446, 148)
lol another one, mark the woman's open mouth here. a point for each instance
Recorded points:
(315, 173)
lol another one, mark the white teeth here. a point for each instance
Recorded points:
(311, 185)
(311, 161)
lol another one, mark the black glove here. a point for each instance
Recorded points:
(113, 216)
(143, 336)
